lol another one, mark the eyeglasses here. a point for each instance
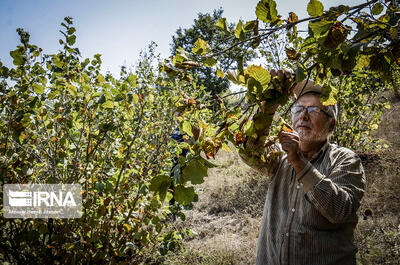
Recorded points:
(312, 110)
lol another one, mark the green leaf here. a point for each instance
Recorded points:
(169, 196)
(377, 9)
(184, 195)
(71, 30)
(200, 47)
(221, 23)
(38, 89)
(195, 171)
(100, 78)
(249, 25)
(71, 89)
(18, 57)
(132, 79)
(160, 184)
(119, 97)
(250, 130)
(207, 163)
(320, 28)
(300, 73)
(71, 40)
(260, 74)
(329, 95)
(239, 32)
(108, 104)
(261, 120)
(187, 128)
(210, 61)
(266, 11)
(315, 8)
(4, 72)
(253, 86)
(57, 62)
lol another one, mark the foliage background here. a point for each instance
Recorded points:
(63, 121)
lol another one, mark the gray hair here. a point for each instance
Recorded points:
(333, 110)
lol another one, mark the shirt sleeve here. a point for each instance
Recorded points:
(262, 159)
(337, 196)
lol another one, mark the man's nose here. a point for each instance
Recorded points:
(304, 115)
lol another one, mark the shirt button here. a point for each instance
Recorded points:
(287, 234)
(293, 209)
(298, 186)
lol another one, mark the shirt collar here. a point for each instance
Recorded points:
(320, 152)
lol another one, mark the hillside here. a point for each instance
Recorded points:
(227, 217)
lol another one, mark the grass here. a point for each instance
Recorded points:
(227, 217)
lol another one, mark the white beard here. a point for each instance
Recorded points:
(307, 136)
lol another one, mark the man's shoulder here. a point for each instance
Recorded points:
(341, 149)
(341, 153)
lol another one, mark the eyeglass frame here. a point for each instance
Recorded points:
(308, 110)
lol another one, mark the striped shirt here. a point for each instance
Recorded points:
(310, 218)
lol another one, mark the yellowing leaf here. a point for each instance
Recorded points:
(221, 23)
(100, 78)
(226, 147)
(329, 94)
(200, 47)
(292, 54)
(187, 128)
(219, 73)
(239, 32)
(337, 34)
(266, 11)
(38, 88)
(127, 227)
(23, 136)
(260, 74)
(285, 126)
(315, 8)
(135, 98)
(293, 18)
(108, 104)
(132, 80)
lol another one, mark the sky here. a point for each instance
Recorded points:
(120, 29)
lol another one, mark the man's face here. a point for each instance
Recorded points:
(314, 126)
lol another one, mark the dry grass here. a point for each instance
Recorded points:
(227, 217)
(378, 232)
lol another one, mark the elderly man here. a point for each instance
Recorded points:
(310, 209)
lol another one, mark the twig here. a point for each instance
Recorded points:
(235, 93)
